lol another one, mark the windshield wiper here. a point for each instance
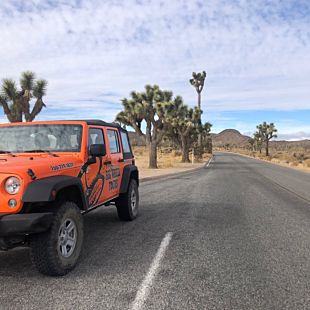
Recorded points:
(7, 152)
(41, 151)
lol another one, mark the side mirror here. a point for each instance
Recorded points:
(97, 150)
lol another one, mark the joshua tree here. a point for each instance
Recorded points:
(251, 145)
(198, 81)
(16, 103)
(182, 124)
(266, 133)
(148, 106)
(258, 141)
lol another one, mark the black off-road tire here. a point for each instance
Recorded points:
(45, 247)
(127, 210)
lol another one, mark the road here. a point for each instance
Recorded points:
(238, 238)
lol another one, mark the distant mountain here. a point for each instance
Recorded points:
(235, 139)
(230, 136)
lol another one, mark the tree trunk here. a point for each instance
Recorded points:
(185, 150)
(6, 110)
(267, 147)
(199, 106)
(153, 155)
(38, 106)
(16, 112)
(199, 100)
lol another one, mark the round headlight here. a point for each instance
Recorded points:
(12, 185)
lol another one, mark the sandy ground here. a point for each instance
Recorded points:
(168, 162)
(146, 173)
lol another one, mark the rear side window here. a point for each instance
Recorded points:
(113, 141)
(125, 142)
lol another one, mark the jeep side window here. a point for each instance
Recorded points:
(95, 136)
(126, 145)
(113, 141)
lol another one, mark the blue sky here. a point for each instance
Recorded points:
(93, 53)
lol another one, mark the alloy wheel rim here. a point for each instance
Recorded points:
(67, 238)
(133, 200)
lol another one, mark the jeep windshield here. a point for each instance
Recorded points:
(40, 138)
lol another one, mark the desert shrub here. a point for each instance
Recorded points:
(177, 153)
(307, 163)
(294, 163)
(166, 150)
(299, 156)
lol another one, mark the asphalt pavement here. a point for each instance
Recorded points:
(233, 235)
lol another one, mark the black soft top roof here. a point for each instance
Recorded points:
(97, 122)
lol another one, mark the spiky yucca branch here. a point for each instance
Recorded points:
(198, 80)
(16, 103)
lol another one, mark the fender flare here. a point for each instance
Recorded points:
(127, 172)
(46, 189)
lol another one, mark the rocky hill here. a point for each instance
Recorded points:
(230, 136)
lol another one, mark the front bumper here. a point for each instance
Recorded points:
(24, 224)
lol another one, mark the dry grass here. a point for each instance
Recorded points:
(169, 162)
(167, 158)
(299, 159)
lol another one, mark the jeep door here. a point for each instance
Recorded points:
(116, 165)
(94, 178)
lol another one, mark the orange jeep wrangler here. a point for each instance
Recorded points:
(51, 173)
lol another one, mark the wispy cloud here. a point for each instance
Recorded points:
(256, 53)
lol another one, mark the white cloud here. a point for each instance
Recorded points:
(294, 136)
(257, 55)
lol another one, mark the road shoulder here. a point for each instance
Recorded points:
(154, 174)
(307, 171)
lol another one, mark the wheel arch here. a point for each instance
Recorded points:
(53, 188)
(130, 172)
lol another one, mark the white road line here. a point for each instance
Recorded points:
(146, 285)
(209, 161)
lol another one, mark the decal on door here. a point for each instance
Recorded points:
(95, 188)
(112, 173)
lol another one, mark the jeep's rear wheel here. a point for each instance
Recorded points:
(127, 204)
(56, 252)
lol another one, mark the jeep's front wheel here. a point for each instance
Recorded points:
(127, 204)
(56, 252)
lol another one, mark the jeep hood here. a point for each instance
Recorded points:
(42, 165)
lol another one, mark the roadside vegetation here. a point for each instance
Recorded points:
(157, 114)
